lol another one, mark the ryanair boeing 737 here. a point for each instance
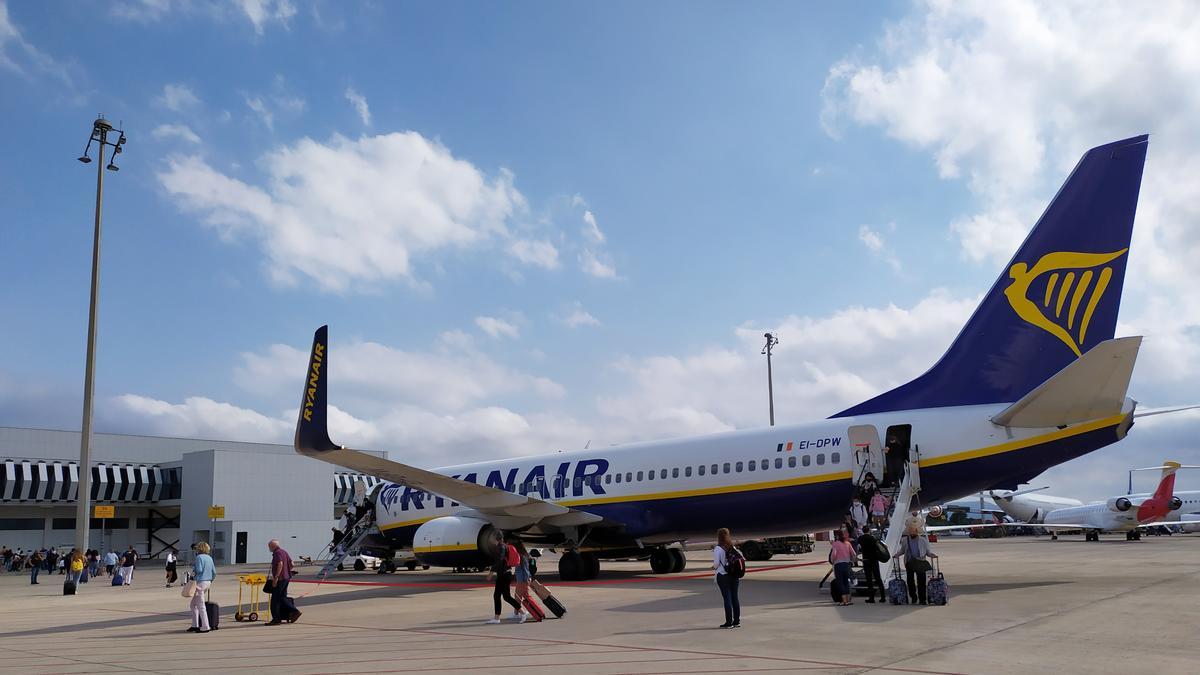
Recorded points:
(1034, 379)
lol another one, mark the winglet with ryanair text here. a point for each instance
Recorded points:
(312, 432)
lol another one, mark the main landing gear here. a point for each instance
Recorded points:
(1133, 535)
(576, 566)
(667, 561)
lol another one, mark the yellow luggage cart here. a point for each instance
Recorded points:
(254, 596)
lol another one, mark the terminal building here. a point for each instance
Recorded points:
(161, 490)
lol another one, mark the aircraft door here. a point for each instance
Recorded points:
(868, 452)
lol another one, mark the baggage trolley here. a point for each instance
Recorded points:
(254, 597)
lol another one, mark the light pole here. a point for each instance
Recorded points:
(83, 503)
(771, 342)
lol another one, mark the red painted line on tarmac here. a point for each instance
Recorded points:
(594, 582)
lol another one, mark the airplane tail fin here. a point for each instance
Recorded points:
(1166, 486)
(312, 431)
(1057, 298)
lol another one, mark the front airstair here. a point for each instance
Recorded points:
(361, 530)
(901, 505)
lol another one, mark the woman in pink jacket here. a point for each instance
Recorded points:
(879, 507)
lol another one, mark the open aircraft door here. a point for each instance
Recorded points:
(868, 452)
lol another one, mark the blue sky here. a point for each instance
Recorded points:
(611, 205)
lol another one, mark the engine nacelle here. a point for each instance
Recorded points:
(1119, 504)
(1175, 504)
(452, 541)
(936, 512)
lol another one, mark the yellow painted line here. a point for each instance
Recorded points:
(829, 477)
(1024, 443)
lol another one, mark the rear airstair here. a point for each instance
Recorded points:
(354, 538)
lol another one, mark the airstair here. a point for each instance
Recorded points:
(901, 506)
(353, 539)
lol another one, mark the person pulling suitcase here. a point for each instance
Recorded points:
(203, 573)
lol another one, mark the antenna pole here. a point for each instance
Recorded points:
(771, 342)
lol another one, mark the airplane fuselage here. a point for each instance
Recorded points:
(775, 480)
(1099, 516)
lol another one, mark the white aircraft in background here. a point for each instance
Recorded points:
(1128, 513)
(1027, 507)
(1034, 379)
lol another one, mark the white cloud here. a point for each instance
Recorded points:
(177, 97)
(537, 252)
(21, 57)
(496, 327)
(578, 317)
(263, 12)
(180, 131)
(592, 265)
(350, 212)
(257, 105)
(591, 230)
(876, 244)
(360, 105)
(196, 417)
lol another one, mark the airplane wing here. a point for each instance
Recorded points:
(1163, 411)
(1170, 522)
(947, 528)
(506, 510)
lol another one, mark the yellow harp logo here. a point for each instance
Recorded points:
(1048, 315)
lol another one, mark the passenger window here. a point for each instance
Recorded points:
(675, 472)
(628, 476)
(806, 461)
(663, 474)
(765, 465)
(639, 476)
(820, 459)
(835, 458)
(752, 465)
(778, 462)
(618, 478)
(791, 461)
(578, 483)
(687, 471)
(608, 478)
(651, 476)
(726, 467)
(701, 469)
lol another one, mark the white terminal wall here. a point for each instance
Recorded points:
(267, 496)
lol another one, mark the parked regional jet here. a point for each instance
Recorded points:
(1028, 507)
(1128, 513)
(1034, 379)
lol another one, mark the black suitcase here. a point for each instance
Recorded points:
(68, 587)
(214, 614)
(556, 608)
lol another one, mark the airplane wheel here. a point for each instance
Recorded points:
(661, 561)
(570, 566)
(1137, 535)
(359, 565)
(678, 561)
(341, 568)
(591, 566)
(412, 565)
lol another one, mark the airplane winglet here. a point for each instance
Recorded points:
(312, 431)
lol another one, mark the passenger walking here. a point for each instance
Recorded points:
(75, 565)
(879, 507)
(726, 558)
(522, 574)
(915, 550)
(507, 558)
(283, 608)
(172, 575)
(35, 565)
(869, 546)
(93, 559)
(858, 511)
(868, 487)
(841, 555)
(128, 562)
(203, 573)
(110, 562)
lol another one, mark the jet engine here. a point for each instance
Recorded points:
(452, 541)
(1175, 504)
(1120, 504)
(936, 511)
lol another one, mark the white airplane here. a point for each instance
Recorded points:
(1034, 379)
(1027, 507)
(1128, 513)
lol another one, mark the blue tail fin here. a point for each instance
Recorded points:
(1057, 297)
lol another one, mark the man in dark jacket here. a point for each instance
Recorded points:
(868, 544)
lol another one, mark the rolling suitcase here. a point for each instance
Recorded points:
(897, 590)
(938, 591)
(214, 612)
(68, 587)
(552, 603)
(83, 578)
(118, 579)
(536, 613)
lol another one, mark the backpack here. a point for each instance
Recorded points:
(735, 563)
(511, 557)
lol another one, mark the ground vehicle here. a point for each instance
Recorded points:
(763, 549)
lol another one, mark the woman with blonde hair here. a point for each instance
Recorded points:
(203, 573)
(725, 558)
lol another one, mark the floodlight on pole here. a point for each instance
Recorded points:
(771, 342)
(100, 130)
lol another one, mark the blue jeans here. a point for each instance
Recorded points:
(33, 572)
(729, 594)
(841, 573)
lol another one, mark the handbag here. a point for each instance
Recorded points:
(189, 589)
(269, 585)
(918, 565)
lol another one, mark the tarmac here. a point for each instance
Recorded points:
(1017, 605)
